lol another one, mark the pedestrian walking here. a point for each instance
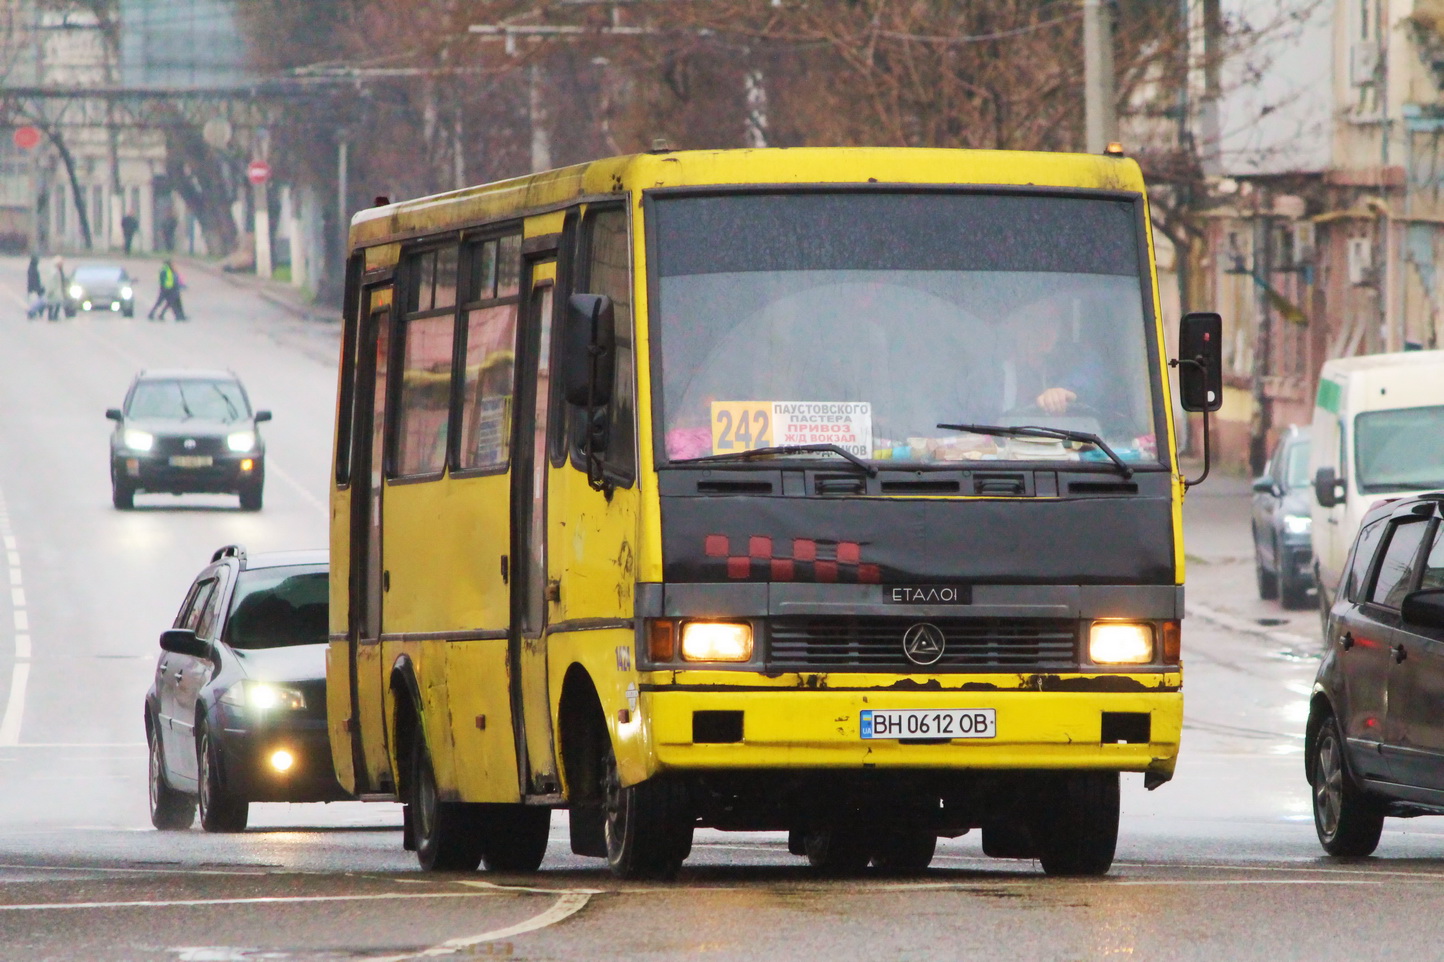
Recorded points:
(129, 225)
(34, 289)
(168, 297)
(55, 289)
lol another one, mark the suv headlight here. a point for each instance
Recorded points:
(1298, 524)
(138, 440)
(1120, 643)
(127, 292)
(241, 440)
(263, 696)
(76, 291)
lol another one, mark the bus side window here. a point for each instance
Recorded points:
(424, 408)
(489, 328)
(605, 268)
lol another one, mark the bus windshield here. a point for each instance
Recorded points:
(866, 319)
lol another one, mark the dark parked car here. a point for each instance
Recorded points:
(237, 713)
(1374, 745)
(1282, 529)
(187, 431)
(101, 287)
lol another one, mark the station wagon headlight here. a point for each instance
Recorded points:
(716, 641)
(241, 440)
(1120, 643)
(263, 697)
(138, 440)
(1298, 524)
(126, 293)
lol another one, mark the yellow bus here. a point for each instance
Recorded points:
(828, 491)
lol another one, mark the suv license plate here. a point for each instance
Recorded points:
(928, 723)
(190, 460)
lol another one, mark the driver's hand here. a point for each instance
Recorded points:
(1055, 400)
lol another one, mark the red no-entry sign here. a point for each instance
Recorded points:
(27, 138)
(258, 171)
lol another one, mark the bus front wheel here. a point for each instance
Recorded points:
(648, 826)
(447, 835)
(1075, 828)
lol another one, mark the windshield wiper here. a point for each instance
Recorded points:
(184, 406)
(754, 453)
(235, 415)
(1039, 431)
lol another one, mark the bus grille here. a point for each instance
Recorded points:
(973, 644)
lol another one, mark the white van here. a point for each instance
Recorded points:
(1378, 433)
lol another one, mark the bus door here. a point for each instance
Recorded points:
(368, 729)
(531, 707)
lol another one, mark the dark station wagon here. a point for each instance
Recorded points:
(1374, 745)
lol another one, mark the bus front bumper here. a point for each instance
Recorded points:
(1035, 730)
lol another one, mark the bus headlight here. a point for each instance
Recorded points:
(1120, 643)
(241, 440)
(1298, 524)
(716, 641)
(139, 440)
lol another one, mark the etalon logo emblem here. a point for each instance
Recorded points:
(190, 444)
(923, 643)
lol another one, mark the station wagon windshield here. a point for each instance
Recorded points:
(866, 319)
(279, 608)
(184, 399)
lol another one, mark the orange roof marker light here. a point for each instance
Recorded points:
(1114, 149)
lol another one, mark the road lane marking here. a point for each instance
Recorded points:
(253, 900)
(22, 646)
(301, 489)
(569, 902)
(15, 707)
(17, 597)
(22, 621)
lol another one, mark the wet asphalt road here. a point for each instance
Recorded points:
(1219, 864)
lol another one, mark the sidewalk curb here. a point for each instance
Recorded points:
(1235, 623)
(261, 289)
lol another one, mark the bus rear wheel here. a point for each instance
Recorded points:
(837, 849)
(1075, 826)
(648, 826)
(447, 834)
(903, 850)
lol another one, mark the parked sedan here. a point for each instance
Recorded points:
(187, 431)
(1374, 745)
(237, 712)
(101, 287)
(1282, 527)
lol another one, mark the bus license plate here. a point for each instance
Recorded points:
(928, 723)
(190, 460)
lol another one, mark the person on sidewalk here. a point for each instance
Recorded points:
(55, 289)
(129, 225)
(168, 297)
(34, 289)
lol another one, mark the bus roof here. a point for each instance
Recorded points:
(781, 166)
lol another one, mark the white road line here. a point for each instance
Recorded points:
(15, 575)
(17, 597)
(257, 900)
(15, 706)
(22, 646)
(568, 903)
(301, 489)
(22, 621)
(13, 557)
(82, 745)
(9, 542)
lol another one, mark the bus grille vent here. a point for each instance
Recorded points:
(973, 644)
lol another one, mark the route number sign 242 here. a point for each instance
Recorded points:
(743, 425)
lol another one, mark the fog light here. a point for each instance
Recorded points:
(716, 641)
(247, 464)
(282, 760)
(115, 307)
(1120, 643)
(86, 305)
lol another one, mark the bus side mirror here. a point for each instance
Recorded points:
(1326, 488)
(1200, 361)
(588, 350)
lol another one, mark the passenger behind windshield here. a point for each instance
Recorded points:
(177, 400)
